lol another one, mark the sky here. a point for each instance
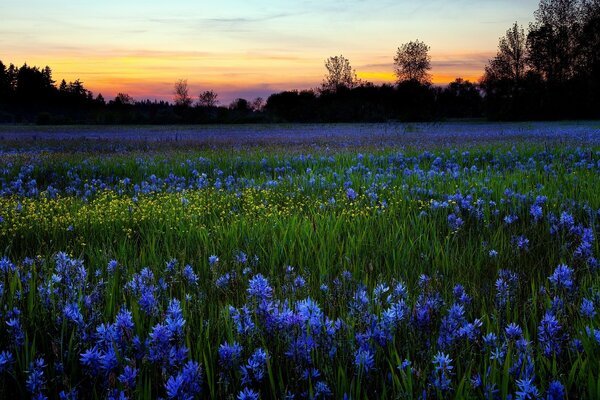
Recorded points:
(247, 48)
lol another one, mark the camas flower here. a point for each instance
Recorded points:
(364, 361)
(259, 288)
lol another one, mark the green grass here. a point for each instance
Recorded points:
(296, 224)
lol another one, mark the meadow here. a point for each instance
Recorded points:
(388, 261)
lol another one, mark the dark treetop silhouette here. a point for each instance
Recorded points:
(551, 70)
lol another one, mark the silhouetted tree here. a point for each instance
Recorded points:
(123, 99)
(412, 63)
(208, 98)
(100, 99)
(339, 74)
(293, 106)
(510, 62)
(181, 94)
(257, 104)
(460, 99)
(552, 39)
(5, 83)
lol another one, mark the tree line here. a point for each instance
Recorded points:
(551, 70)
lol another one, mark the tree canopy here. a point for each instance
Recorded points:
(413, 63)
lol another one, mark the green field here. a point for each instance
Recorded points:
(365, 272)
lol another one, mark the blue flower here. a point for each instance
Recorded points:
(259, 288)
(455, 222)
(351, 194)
(128, 377)
(442, 371)
(229, 355)
(536, 212)
(109, 361)
(556, 391)
(72, 313)
(189, 275)
(527, 390)
(241, 258)
(91, 358)
(124, 325)
(562, 278)
(364, 361)
(521, 242)
(247, 394)
(513, 331)
(174, 387)
(212, 260)
(322, 391)
(254, 370)
(112, 266)
(174, 319)
(549, 335)
(6, 361)
(36, 382)
(587, 309)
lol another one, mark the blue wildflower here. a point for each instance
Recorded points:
(259, 288)
(351, 194)
(247, 394)
(536, 212)
(6, 361)
(364, 361)
(112, 266)
(526, 389)
(562, 278)
(229, 355)
(442, 371)
(549, 335)
(322, 391)
(587, 309)
(36, 382)
(128, 377)
(513, 331)
(556, 391)
(455, 222)
(189, 275)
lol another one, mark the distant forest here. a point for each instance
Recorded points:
(551, 70)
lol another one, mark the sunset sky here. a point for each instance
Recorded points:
(246, 48)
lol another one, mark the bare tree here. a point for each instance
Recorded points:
(181, 94)
(413, 62)
(208, 98)
(339, 74)
(511, 61)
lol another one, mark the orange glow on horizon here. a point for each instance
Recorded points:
(151, 74)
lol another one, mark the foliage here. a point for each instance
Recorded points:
(454, 272)
(340, 74)
(412, 62)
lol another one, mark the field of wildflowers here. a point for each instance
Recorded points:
(299, 272)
